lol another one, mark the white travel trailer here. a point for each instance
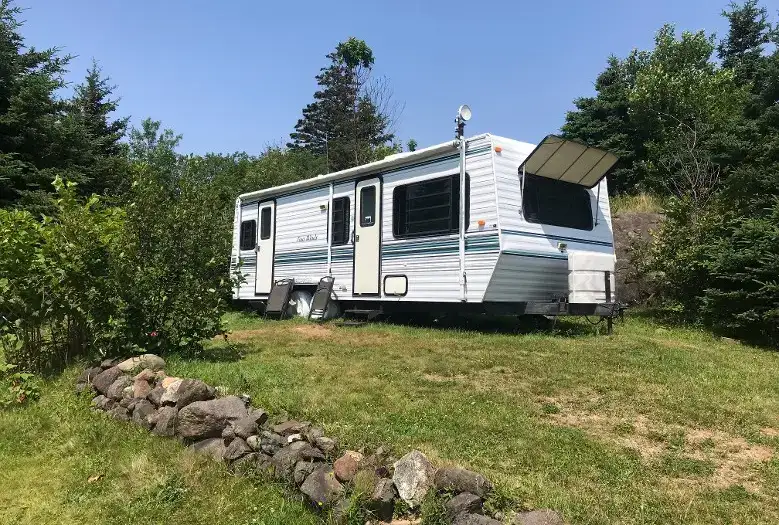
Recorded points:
(480, 224)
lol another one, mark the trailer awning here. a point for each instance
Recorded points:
(566, 160)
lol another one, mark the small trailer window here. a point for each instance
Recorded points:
(340, 222)
(265, 223)
(556, 203)
(430, 207)
(368, 206)
(248, 235)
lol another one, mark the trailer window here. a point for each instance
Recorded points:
(265, 223)
(556, 203)
(248, 235)
(340, 221)
(430, 207)
(368, 206)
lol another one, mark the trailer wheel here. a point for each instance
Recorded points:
(299, 304)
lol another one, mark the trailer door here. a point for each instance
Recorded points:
(367, 237)
(266, 235)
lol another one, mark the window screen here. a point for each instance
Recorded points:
(340, 221)
(368, 206)
(430, 207)
(248, 235)
(556, 203)
(265, 223)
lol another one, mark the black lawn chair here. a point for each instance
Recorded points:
(278, 300)
(321, 298)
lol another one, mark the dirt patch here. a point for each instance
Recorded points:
(243, 335)
(769, 432)
(436, 378)
(314, 331)
(736, 461)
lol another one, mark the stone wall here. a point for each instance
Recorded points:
(632, 238)
(230, 430)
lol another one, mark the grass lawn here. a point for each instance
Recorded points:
(652, 425)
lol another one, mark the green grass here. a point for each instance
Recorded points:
(642, 202)
(652, 425)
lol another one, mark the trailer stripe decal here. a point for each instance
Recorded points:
(556, 237)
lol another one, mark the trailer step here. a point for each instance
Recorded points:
(369, 315)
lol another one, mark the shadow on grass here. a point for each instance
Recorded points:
(527, 324)
(224, 352)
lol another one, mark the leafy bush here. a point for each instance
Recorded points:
(16, 388)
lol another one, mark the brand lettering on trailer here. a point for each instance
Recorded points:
(308, 237)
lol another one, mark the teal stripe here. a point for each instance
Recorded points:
(556, 237)
(536, 254)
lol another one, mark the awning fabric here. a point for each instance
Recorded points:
(570, 161)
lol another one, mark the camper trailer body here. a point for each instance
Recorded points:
(390, 234)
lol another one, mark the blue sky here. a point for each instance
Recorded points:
(235, 75)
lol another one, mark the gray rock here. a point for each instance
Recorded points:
(88, 375)
(155, 396)
(474, 519)
(245, 465)
(464, 502)
(462, 480)
(382, 502)
(314, 433)
(165, 425)
(147, 374)
(250, 424)
(131, 404)
(272, 437)
(105, 379)
(339, 514)
(538, 517)
(105, 364)
(326, 444)
(140, 362)
(144, 414)
(141, 388)
(119, 413)
(116, 390)
(103, 403)
(252, 441)
(265, 464)
(413, 477)
(288, 428)
(228, 435)
(182, 392)
(294, 437)
(207, 419)
(302, 470)
(346, 466)
(236, 450)
(286, 458)
(321, 487)
(213, 447)
(82, 387)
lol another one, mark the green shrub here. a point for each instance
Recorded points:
(17, 388)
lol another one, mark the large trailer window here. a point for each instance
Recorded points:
(430, 207)
(340, 221)
(556, 203)
(248, 235)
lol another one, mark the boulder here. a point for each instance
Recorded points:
(103, 403)
(288, 428)
(165, 425)
(461, 480)
(294, 437)
(150, 361)
(347, 465)
(236, 450)
(182, 392)
(144, 414)
(105, 379)
(228, 435)
(286, 458)
(538, 517)
(321, 487)
(474, 519)
(413, 477)
(250, 424)
(167, 381)
(314, 433)
(155, 396)
(88, 375)
(105, 364)
(253, 441)
(207, 419)
(382, 502)
(464, 502)
(141, 388)
(120, 413)
(212, 447)
(302, 470)
(326, 444)
(147, 374)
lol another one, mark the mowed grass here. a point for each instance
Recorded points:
(651, 425)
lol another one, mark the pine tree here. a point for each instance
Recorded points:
(344, 123)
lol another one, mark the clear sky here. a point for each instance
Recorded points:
(234, 75)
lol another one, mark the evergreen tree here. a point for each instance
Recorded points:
(344, 123)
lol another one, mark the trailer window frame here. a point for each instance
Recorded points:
(553, 202)
(339, 227)
(248, 235)
(413, 199)
(266, 215)
(367, 200)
